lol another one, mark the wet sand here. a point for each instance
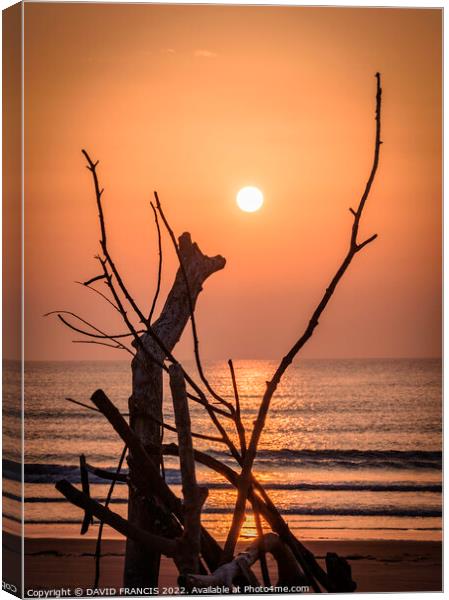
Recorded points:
(377, 566)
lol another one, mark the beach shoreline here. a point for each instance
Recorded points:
(377, 565)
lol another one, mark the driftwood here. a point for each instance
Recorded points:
(158, 522)
(147, 539)
(289, 573)
(149, 483)
(86, 489)
(145, 404)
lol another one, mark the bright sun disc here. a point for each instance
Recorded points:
(249, 199)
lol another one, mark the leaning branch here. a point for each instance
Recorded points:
(196, 342)
(149, 540)
(289, 572)
(194, 496)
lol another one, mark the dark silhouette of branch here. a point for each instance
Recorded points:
(159, 271)
(265, 507)
(115, 478)
(87, 520)
(354, 247)
(238, 418)
(114, 346)
(194, 495)
(124, 314)
(100, 334)
(82, 404)
(200, 436)
(153, 348)
(91, 280)
(201, 399)
(103, 242)
(149, 540)
(92, 166)
(108, 475)
(289, 573)
(262, 549)
(92, 289)
(148, 479)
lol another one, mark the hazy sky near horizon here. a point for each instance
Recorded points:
(199, 101)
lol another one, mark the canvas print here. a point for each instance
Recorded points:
(229, 379)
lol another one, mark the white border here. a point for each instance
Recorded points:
(336, 3)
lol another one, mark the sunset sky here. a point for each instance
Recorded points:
(199, 101)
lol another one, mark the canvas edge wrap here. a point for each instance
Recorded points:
(12, 265)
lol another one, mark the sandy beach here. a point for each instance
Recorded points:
(377, 566)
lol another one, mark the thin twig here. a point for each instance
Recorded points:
(106, 504)
(92, 289)
(201, 399)
(114, 346)
(238, 418)
(159, 270)
(148, 479)
(194, 495)
(200, 436)
(149, 540)
(103, 242)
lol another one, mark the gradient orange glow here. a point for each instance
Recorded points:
(196, 101)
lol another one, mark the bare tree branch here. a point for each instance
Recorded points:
(159, 271)
(200, 436)
(238, 417)
(245, 478)
(265, 506)
(115, 478)
(100, 334)
(103, 242)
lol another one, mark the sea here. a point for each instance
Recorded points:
(352, 449)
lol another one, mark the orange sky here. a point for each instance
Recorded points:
(198, 101)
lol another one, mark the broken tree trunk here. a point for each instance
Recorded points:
(145, 403)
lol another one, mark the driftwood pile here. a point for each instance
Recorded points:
(158, 521)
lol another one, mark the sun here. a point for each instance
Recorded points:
(249, 199)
